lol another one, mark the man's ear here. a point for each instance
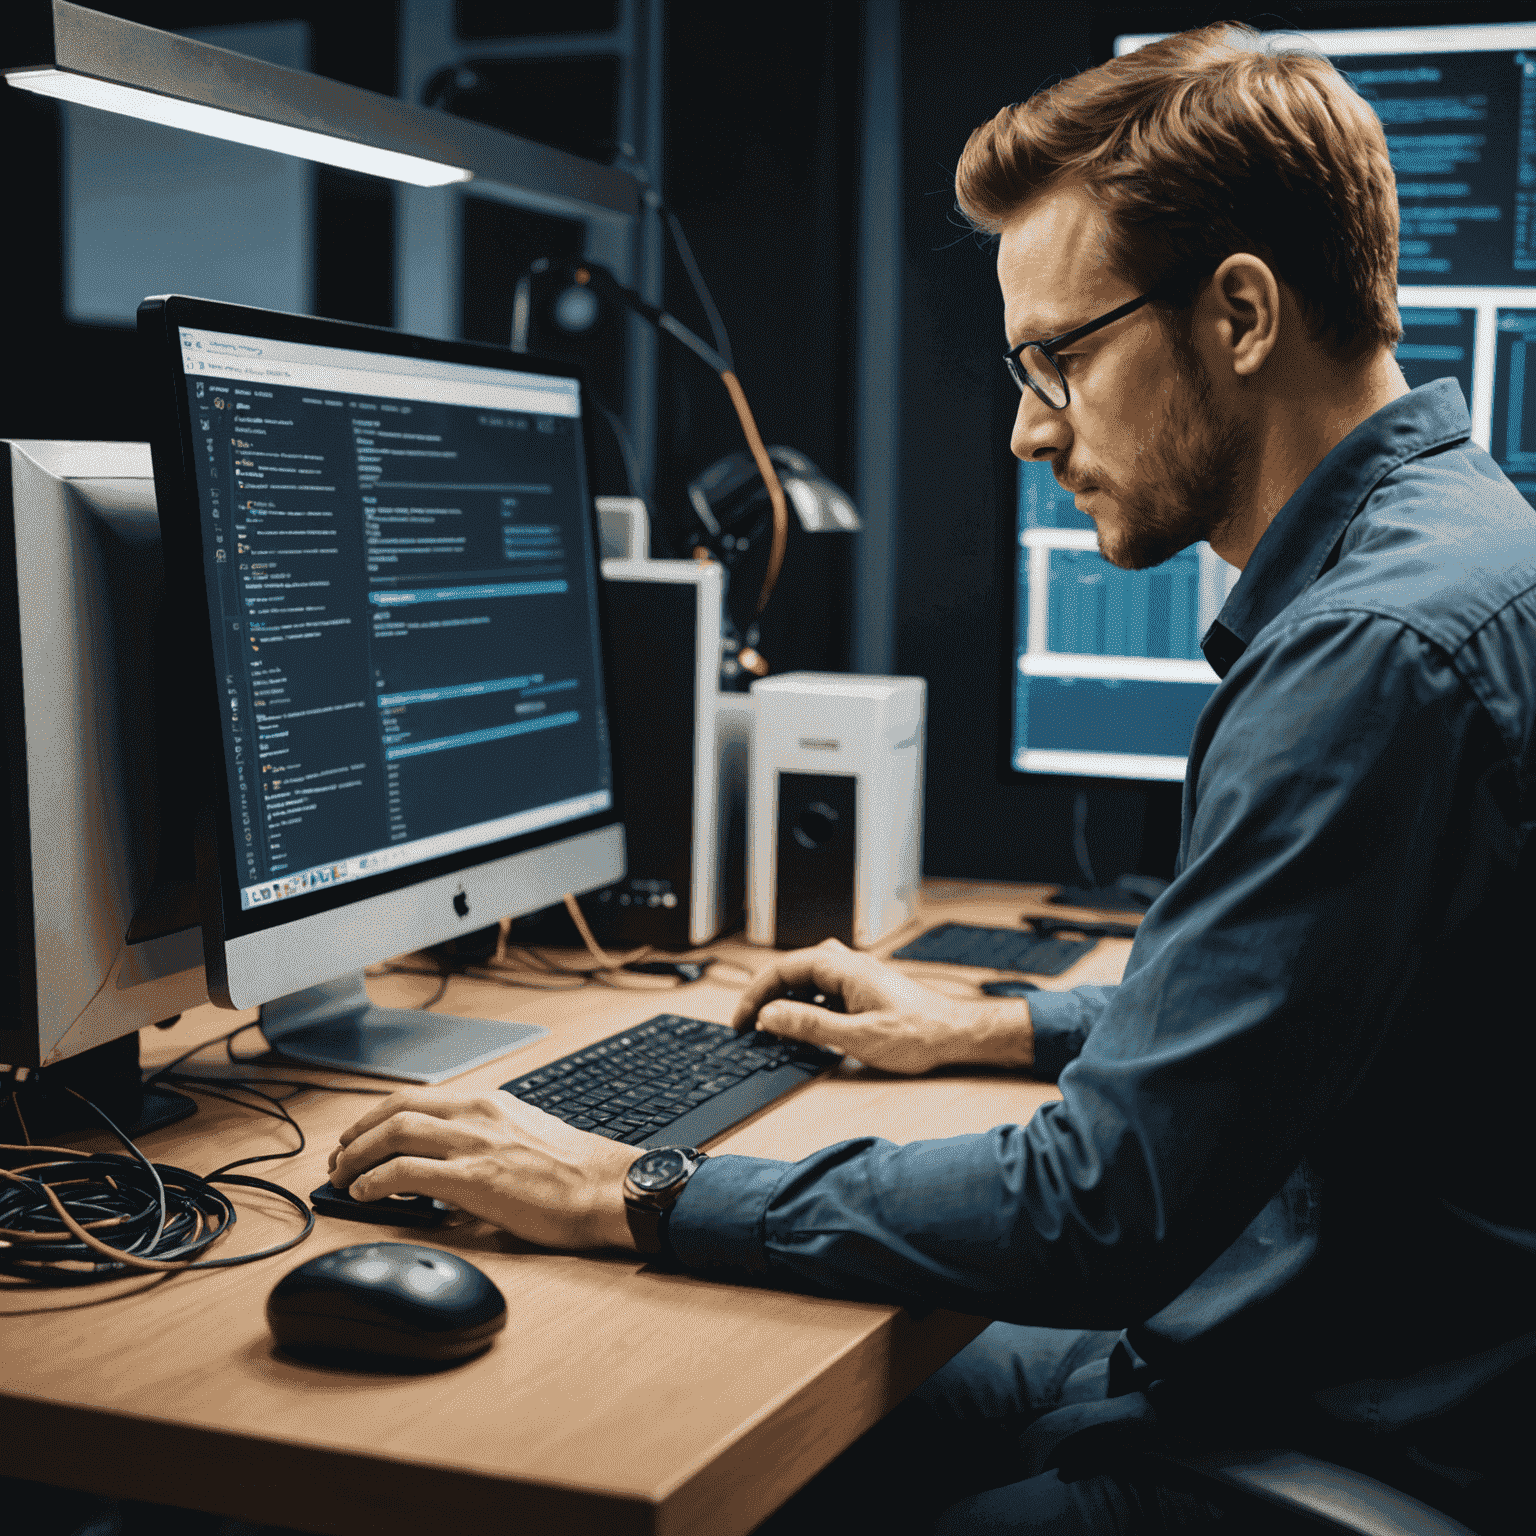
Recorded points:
(1241, 308)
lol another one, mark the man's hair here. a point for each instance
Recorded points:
(1206, 144)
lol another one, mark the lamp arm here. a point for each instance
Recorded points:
(680, 332)
(605, 281)
(670, 324)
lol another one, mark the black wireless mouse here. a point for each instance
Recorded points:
(399, 1301)
(1008, 988)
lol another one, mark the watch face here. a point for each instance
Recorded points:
(658, 1169)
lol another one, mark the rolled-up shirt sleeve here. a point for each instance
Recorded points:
(1334, 754)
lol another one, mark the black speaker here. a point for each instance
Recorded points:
(817, 839)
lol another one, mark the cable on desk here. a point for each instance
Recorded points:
(507, 977)
(521, 965)
(288, 1082)
(444, 976)
(618, 970)
(226, 1040)
(161, 1217)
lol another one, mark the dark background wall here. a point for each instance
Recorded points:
(954, 564)
(69, 380)
(762, 128)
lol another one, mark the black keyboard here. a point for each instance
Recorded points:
(1000, 949)
(670, 1082)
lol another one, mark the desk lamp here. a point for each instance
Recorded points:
(738, 498)
(120, 66)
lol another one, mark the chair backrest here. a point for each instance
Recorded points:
(1290, 1491)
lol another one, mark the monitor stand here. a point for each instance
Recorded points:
(336, 1025)
(41, 1110)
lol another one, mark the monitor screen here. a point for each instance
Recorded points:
(1107, 675)
(397, 554)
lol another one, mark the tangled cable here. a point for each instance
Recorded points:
(72, 1218)
(58, 1209)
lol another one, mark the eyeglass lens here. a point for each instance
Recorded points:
(1033, 368)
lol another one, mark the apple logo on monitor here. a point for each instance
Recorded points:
(461, 904)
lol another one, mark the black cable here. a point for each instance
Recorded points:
(1080, 838)
(591, 975)
(700, 287)
(153, 1212)
(288, 1082)
(653, 199)
(626, 447)
(225, 1039)
(211, 1087)
(229, 1046)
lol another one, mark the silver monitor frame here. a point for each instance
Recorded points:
(84, 796)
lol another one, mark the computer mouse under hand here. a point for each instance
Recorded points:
(831, 1001)
(1008, 988)
(385, 1301)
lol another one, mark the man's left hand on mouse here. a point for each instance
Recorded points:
(494, 1156)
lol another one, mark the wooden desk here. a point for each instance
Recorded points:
(619, 1399)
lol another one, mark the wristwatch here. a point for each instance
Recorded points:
(651, 1188)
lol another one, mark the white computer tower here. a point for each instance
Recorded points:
(835, 818)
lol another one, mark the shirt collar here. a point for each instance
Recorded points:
(1295, 547)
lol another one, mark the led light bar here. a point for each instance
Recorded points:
(216, 123)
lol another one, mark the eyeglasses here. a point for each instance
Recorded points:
(1033, 363)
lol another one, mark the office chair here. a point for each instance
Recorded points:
(1288, 1493)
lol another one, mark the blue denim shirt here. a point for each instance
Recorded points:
(1293, 1156)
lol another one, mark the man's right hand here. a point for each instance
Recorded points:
(890, 1021)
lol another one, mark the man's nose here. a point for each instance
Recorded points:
(1038, 431)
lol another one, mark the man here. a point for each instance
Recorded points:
(1287, 1194)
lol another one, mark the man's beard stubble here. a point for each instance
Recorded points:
(1188, 481)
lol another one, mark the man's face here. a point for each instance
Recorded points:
(1141, 443)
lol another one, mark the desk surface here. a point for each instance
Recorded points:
(619, 1399)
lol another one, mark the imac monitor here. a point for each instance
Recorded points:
(1106, 677)
(383, 557)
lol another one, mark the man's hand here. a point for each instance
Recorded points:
(494, 1156)
(892, 1022)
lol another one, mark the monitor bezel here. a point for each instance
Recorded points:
(223, 918)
